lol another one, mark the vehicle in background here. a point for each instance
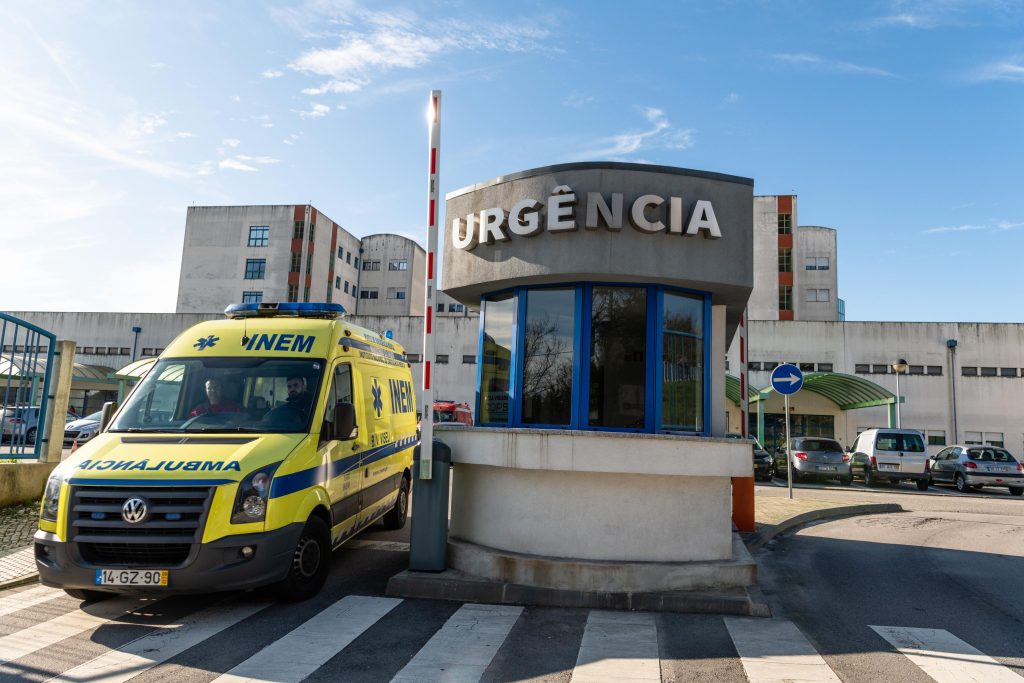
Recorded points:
(451, 412)
(815, 457)
(81, 429)
(976, 466)
(21, 423)
(890, 455)
(764, 465)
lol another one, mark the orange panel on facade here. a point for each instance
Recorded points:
(300, 213)
(784, 203)
(785, 241)
(785, 315)
(786, 279)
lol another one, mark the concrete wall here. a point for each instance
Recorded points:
(815, 242)
(764, 299)
(385, 248)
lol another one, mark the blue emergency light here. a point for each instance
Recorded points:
(294, 309)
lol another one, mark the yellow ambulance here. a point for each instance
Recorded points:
(253, 447)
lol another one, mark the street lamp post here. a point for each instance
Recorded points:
(899, 366)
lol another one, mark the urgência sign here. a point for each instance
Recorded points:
(649, 213)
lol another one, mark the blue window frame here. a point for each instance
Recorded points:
(255, 268)
(249, 297)
(639, 358)
(259, 235)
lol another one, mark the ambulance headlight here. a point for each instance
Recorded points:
(51, 499)
(252, 496)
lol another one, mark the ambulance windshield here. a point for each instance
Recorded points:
(223, 395)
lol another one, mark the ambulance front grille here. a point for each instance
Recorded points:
(174, 520)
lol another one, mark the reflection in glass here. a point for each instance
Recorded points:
(682, 388)
(496, 360)
(618, 344)
(548, 356)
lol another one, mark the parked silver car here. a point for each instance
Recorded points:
(82, 429)
(975, 466)
(20, 423)
(816, 457)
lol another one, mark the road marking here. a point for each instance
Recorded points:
(464, 647)
(618, 646)
(33, 596)
(775, 650)
(155, 648)
(945, 657)
(47, 633)
(391, 546)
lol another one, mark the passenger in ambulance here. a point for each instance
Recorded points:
(298, 394)
(216, 401)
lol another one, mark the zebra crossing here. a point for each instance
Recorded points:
(235, 638)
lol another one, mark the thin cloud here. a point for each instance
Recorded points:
(257, 160)
(183, 134)
(970, 227)
(991, 226)
(813, 61)
(292, 137)
(317, 111)
(660, 134)
(1010, 69)
(272, 73)
(235, 165)
(576, 100)
(732, 98)
(373, 43)
(231, 142)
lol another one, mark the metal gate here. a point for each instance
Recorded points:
(26, 363)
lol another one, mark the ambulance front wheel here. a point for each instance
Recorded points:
(396, 516)
(310, 562)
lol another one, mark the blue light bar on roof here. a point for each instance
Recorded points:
(294, 309)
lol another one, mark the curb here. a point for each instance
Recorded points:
(20, 581)
(770, 531)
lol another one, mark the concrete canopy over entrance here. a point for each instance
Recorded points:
(846, 392)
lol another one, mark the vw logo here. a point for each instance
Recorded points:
(134, 510)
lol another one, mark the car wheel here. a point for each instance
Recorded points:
(310, 562)
(87, 595)
(396, 516)
(961, 483)
(847, 480)
(870, 480)
(922, 484)
(1016, 491)
(30, 436)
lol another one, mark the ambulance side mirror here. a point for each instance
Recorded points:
(344, 421)
(106, 413)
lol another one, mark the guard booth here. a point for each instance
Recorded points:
(609, 293)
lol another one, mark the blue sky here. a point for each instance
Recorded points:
(899, 123)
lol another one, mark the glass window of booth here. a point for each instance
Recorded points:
(496, 359)
(548, 356)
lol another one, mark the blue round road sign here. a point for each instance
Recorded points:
(787, 379)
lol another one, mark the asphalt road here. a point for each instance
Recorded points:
(945, 571)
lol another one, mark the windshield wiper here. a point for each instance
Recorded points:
(147, 430)
(222, 430)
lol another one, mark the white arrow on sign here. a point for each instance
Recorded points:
(792, 379)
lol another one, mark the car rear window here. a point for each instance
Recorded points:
(989, 455)
(818, 445)
(908, 443)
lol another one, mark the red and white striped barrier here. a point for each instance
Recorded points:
(427, 391)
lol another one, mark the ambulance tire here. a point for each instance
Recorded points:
(310, 563)
(394, 518)
(86, 595)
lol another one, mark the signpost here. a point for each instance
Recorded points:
(786, 380)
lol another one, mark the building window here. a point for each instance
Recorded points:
(305, 294)
(368, 293)
(396, 292)
(296, 262)
(936, 437)
(252, 297)
(348, 258)
(786, 298)
(440, 308)
(785, 260)
(441, 359)
(988, 372)
(880, 369)
(916, 370)
(293, 293)
(398, 264)
(824, 367)
(259, 235)
(934, 369)
(969, 371)
(785, 223)
(297, 234)
(371, 265)
(455, 308)
(309, 266)
(312, 231)
(1007, 372)
(255, 268)
(469, 359)
(806, 367)
(548, 356)
(337, 284)
(355, 263)
(341, 253)
(816, 263)
(346, 286)
(972, 438)
(818, 295)
(754, 366)
(414, 357)
(994, 439)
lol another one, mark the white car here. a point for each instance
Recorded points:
(81, 430)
